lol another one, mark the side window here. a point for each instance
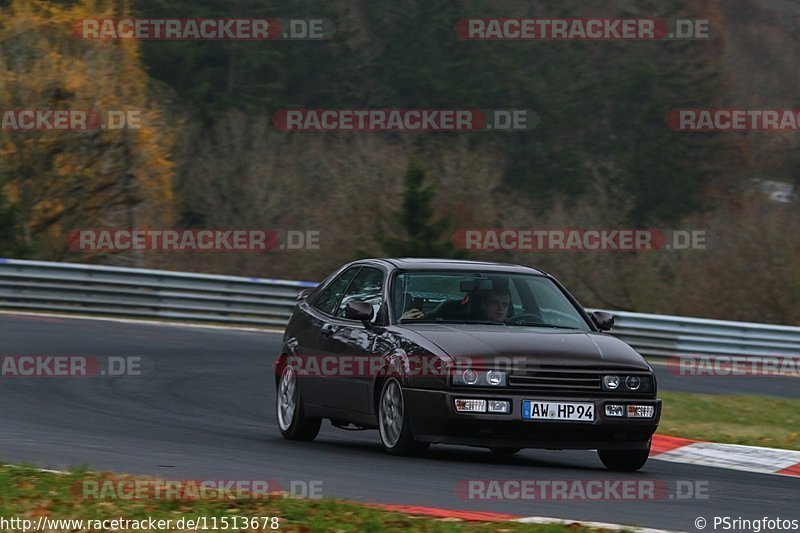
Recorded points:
(366, 287)
(326, 302)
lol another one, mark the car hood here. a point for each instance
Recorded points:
(547, 346)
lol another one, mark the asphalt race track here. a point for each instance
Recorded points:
(205, 410)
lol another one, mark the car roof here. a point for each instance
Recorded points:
(415, 263)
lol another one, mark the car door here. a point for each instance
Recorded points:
(319, 339)
(356, 343)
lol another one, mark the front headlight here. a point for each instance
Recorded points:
(631, 383)
(470, 377)
(611, 382)
(495, 377)
(480, 378)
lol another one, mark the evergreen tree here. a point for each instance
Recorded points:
(423, 236)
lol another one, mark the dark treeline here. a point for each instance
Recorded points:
(602, 105)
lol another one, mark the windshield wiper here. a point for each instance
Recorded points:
(440, 320)
(538, 325)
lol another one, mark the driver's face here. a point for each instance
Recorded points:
(495, 306)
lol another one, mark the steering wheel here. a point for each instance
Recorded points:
(527, 317)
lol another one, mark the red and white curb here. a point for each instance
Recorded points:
(595, 525)
(479, 516)
(730, 456)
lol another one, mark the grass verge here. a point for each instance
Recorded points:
(750, 420)
(30, 493)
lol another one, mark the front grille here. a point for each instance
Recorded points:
(555, 380)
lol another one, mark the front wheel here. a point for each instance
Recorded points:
(624, 460)
(394, 422)
(292, 421)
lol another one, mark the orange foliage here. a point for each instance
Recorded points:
(61, 179)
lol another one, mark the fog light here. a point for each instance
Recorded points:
(464, 405)
(499, 406)
(615, 410)
(633, 382)
(611, 382)
(470, 377)
(641, 411)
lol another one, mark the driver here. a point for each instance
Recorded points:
(494, 305)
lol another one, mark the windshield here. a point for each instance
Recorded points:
(484, 298)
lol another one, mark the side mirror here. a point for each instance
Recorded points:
(359, 311)
(302, 295)
(604, 321)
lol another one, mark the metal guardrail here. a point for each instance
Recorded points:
(160, 294)
(669, 336)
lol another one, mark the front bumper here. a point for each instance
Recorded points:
(434, 419)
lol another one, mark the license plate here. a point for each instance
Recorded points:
(572, 411)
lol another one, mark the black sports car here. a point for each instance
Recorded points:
(462, 352)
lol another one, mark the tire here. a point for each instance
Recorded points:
(394, 424)
(624, 460)
(504, 450)
(292, 421)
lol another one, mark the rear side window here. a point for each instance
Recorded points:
(327, 299)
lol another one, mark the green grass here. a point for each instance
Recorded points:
(30, 493)
(750, 420)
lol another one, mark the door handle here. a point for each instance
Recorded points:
(327, 330)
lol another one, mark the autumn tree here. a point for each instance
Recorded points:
(62, 180)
